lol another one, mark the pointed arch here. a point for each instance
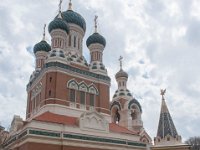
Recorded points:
(72, 84)
(83, 86)
(92, 89)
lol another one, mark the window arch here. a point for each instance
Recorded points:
(72, 84)
(83, 87)
(115, 115)
(93, 90)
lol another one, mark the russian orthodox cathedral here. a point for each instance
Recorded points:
(68, 98)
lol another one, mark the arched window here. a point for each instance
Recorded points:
(72, 95)
(92, 99)
(70, 39)
(115, 115)
(74, 41)
(93, 90)
(78, 43)
(82, 97)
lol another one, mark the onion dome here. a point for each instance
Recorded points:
(73, 17)
(58, 23)
(42, 46)
(96, 38)
(121, 73)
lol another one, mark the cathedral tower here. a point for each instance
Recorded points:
(65, 84)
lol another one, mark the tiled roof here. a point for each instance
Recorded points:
(166, 125)
(67, 120)
(55, 118)
(119, 129)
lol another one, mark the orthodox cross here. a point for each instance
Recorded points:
(70, 5)
(59, 6)
(59, 11)
(44, 32)
(95, 23)
(162, 92)
(120, 61)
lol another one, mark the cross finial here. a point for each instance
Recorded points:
(44, 32)
(59, 6)
(95, 23)
(70, 5)
(162, 92)
(120, 61)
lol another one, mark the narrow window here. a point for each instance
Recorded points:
(70, 40)
(78, 43)
(49, 92)
(91, 99)
(60, 42)
(74, 41)
(82, 97)
(50, 79)
(72, 95)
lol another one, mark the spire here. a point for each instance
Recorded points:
(120, 61)
(166, 125)
(70, 5)
(95, 23)
(59, 6)
(43, 39)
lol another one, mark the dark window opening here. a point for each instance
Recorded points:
(49, 92)
(72, 95)
(117, 117)
(50, 79)
(82, 97)
(70, 40)
(91, 99)
(74, 41)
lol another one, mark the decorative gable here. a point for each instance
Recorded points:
(93, 121)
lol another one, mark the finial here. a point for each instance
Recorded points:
(59, 6)
(70, 5)
(44, 32)
(95, 23)
(120, 61)
(162, 92)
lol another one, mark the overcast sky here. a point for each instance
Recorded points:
(159, 40)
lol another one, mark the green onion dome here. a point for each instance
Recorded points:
(121, 73)
(58, 23)
(73, 17)
(42, 46)
(96, 38)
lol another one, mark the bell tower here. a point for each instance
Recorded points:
(125, 109)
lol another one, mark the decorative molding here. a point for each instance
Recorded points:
(93, 121)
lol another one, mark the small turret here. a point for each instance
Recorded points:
(167, 133)
(96, 44)
(59, 31)
(41, 50)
